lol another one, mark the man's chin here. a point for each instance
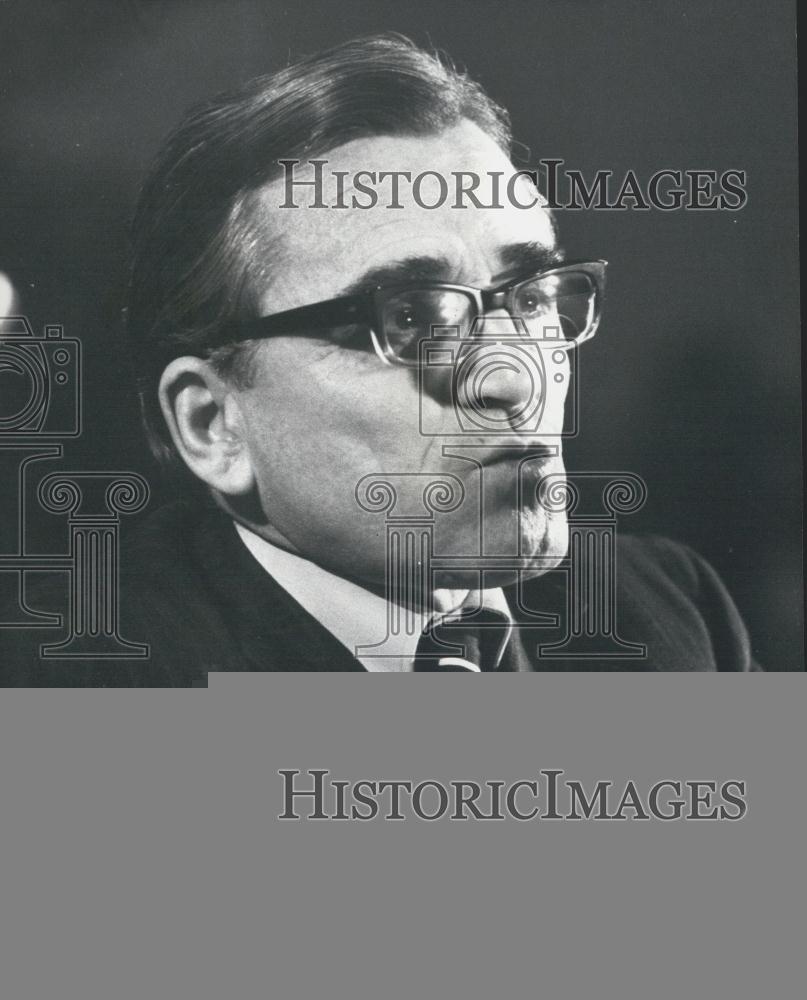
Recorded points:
(546, 536)
(540, 544)
(515, 545)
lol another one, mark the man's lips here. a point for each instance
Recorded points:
(522, 451)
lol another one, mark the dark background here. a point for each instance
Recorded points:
(693, 381)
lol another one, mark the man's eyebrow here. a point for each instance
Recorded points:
(401, 272)
(517, 258)
(524, 258)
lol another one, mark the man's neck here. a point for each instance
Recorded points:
(441, 601)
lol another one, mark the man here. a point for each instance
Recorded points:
(363, 395)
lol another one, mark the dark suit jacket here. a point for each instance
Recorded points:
(194, 593)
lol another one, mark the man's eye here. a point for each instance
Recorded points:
(406, 318)
(530, 302)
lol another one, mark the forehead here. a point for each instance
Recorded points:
(317, 252)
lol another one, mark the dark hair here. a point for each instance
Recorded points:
(195, 253)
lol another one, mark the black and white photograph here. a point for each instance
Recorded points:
(372, 337)
(377, 337)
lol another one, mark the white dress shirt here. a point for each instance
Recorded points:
(352, 614)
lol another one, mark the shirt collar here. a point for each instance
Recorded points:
(352, 614)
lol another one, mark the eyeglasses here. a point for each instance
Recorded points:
(562, 304)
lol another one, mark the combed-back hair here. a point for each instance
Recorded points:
(198, 262)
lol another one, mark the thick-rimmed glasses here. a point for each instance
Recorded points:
(561, 304)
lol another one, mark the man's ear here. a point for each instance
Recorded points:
(206, 425)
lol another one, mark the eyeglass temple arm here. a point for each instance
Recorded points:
(319, 315)
(358, 309)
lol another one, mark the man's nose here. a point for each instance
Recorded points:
(501, 369)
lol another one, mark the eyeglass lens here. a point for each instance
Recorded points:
(554, 306)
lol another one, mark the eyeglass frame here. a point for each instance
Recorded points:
(366, 307)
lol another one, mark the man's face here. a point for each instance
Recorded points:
(321, 415)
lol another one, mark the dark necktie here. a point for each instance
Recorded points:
(472, 642)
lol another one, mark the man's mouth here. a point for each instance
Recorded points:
(522, 452)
